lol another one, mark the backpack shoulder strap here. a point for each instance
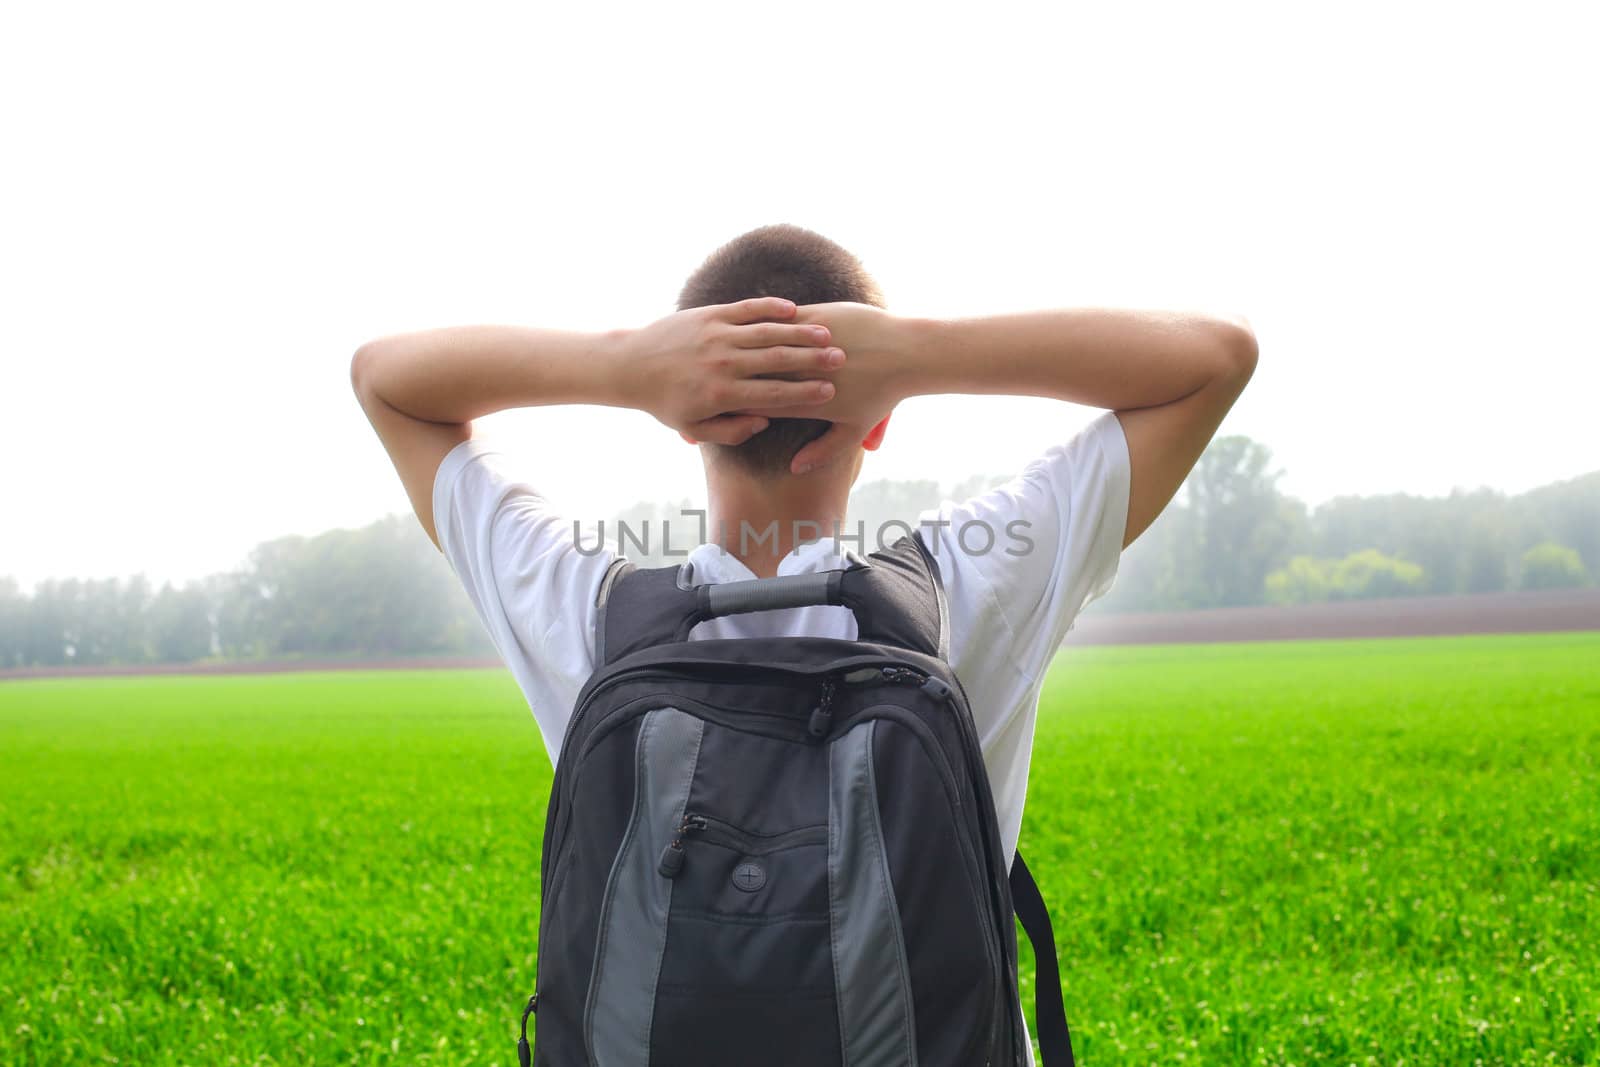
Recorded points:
(1050, 1015)
(638, 607)
(619, 566)
(895, 595)
(899, 599)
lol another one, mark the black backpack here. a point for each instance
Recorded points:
(780, 852)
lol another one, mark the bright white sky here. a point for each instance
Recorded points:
(207, 207)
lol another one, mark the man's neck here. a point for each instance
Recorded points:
(760, 523)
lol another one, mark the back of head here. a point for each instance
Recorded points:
(799, 265)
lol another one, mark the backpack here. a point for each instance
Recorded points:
(780, 851)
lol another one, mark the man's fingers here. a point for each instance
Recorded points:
(767, 334)
(788, 359)
(757, 308)
(728, 429)
(827, 449)
(755, 394)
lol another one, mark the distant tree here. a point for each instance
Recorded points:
(1305, 580)
(1487, 536)
(1360, 575)
(1239, 526)
(1552, 566)
(379, 590)
(1465, 542)
(1225, 531)
(1370, 573)
(180, 624)
(236, 605)
(1427, 534)
(1567, 513)
(48, 641)
(1148, 575)
(114, 620)
(92, 610)
(1424, 530)
(13, 623)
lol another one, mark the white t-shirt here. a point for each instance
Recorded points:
(1010, 604)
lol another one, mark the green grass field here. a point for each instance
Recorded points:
(1382, 852)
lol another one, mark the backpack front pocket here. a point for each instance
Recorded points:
(747, 975)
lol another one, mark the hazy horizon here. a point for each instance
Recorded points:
(208, 214)
(611, 532)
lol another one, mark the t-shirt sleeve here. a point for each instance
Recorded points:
(1039, 548)
(1019, 563)
(531, 581)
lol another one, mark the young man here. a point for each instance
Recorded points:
(783, 401)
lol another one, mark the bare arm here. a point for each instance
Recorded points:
(422, 390)
(1169, 376)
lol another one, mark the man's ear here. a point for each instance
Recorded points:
(874, 436)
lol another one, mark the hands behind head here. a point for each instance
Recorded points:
(718, 373)
(704, 371)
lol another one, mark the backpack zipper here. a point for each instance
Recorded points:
(893, 674)
(822, 716)
(671, 861)
(524, 1051)
(716, 831)
(674, 671)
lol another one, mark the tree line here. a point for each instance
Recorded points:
(381, 590)
(1231, 537)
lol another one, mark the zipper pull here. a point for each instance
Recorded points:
(672, 857)
(903, 675)
(937, 688)
(524, 1053)
(822, 715)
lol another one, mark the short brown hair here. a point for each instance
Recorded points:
(799, 265)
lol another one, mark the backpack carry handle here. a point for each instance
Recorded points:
(894, 594)
(768, 594)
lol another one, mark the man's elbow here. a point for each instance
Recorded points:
(1236, 350)
(362, 370)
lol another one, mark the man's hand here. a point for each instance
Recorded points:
(867, 387)
(718, 373)
(1170, 376)
(690, 369)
